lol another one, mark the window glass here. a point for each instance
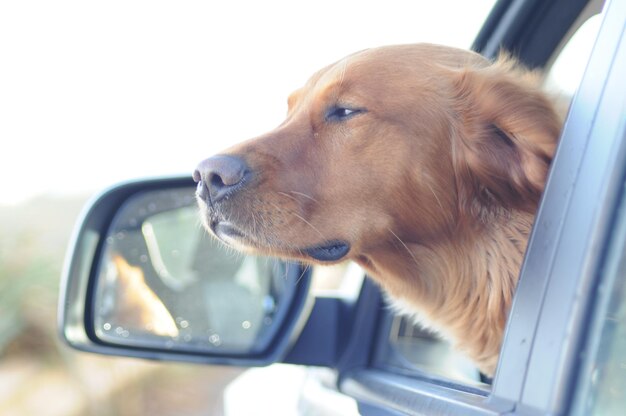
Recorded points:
(424, 351)
(602, 381)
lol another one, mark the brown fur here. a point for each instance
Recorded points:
(434, 186)
(138, 307)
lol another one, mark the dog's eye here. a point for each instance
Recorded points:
(337, 113)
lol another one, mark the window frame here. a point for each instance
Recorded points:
(590, 167)
(549, 318)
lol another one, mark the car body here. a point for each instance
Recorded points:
(562, 344)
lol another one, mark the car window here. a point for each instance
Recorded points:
(564, 75)
(411, 347)
(602, 381)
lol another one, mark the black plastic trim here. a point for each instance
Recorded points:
(529, 29)
(344, 326)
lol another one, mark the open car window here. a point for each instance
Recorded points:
(412, 348)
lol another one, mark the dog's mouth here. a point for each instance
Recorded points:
(329, 251)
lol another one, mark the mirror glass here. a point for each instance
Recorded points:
(163, 282)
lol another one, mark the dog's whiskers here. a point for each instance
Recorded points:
(287, 195)
(405, 246)
(344, 69)
(304, 270)
(309, 224)
(436, 197)
(254, 226)
(303, 220)
(305, 195)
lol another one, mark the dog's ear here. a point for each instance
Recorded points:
(504, 138)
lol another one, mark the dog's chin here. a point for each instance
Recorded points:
(327, 252)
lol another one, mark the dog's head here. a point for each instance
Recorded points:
(403, 142)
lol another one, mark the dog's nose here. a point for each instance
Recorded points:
(219, 176)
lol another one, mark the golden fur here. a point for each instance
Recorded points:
(433, 183)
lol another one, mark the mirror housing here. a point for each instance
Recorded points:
(155, 213)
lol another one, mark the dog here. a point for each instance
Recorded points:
(138, 307)
(422, 163)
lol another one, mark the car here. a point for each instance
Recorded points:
(142, 279)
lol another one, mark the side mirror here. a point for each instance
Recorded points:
(142, 278)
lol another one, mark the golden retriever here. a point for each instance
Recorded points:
(422, 163)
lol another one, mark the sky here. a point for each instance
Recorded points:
(93, 93)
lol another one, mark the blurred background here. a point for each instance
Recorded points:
(93, 93)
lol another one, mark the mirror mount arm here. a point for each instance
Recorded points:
(344, 325)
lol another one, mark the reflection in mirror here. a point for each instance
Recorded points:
(164, 283)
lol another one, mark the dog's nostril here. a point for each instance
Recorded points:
(216, 181)
(197, 176)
